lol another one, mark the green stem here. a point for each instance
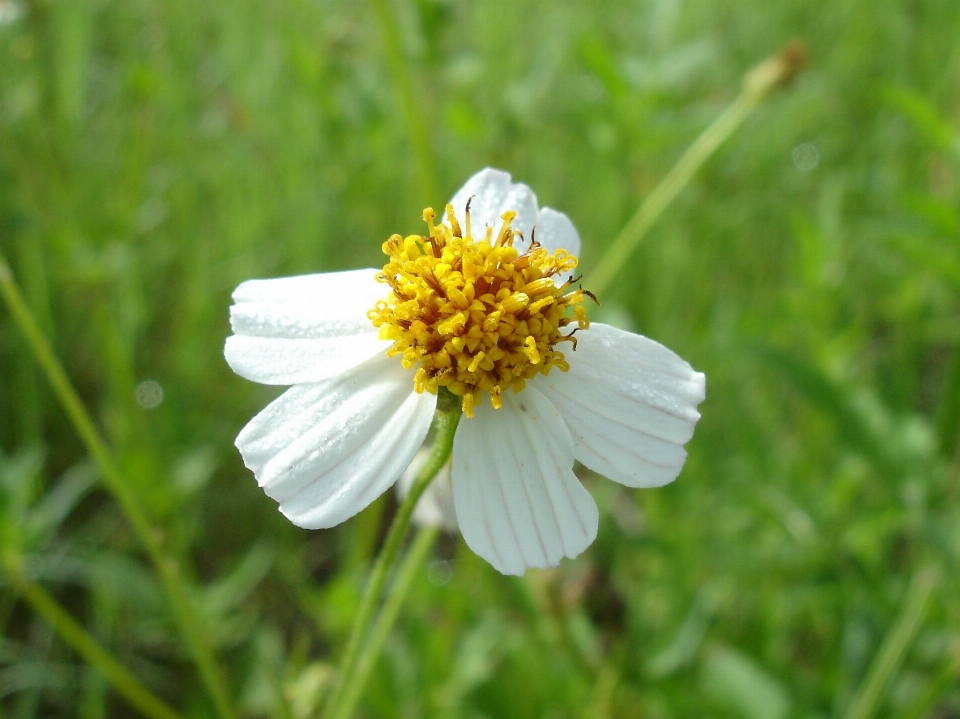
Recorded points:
(85, 645)
(388, 616)
(601, 700)
(446, 425)
(414, 113)
(118, 485)
(895, 646)
(946, 679)
(758, 84)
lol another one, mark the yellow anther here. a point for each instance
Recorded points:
(452, 219)
(540, 304)
(476, 362)
(429, 216)
(538, 287)
(581, 315)
(393, 246)
(458, 298)
(454, 325)
(495, 399)
(514, 303)
(530, 350)
(506, 234)
(468, 404)
(492, 321)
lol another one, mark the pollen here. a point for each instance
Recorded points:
(474, 314)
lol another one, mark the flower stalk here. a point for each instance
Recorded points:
(361, 642)
(80, 640)
(368, 654)
(773, 72)
(166, 566)
(895, 646)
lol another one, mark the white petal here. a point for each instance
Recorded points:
(630, 404)
(328, 449)
(518, 501)
(331, 304)
(303, 329)
(555, 231)
(435, 506)
(285, 361)
(493, 194)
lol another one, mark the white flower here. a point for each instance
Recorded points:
(477, 308)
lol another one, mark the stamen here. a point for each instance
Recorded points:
(569, 283)
(419, 381)
(581, 315)
(514, 303)
(468, 405)
(458, 298)
(530, 350)
(506, 235)
(476, 362)
(540, 304)
(570, 338)
(452, 219)
(522, 262)
(538, 287)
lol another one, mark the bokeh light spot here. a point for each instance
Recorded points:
(149, 394)
(806, 156)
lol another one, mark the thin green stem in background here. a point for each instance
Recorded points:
(758, 84)
(411, 563)
(414, 114)
(945, 680)
(85, 645)
(894, 648)
(121, 489)
(446, 427)
(601, 699)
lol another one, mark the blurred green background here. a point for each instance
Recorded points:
(153, 154)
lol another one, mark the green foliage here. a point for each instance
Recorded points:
(154, 153)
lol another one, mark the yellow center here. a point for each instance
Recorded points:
(475, 315)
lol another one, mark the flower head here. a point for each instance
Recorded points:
(476, 316)
(484, 305)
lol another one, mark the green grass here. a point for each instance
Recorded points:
(155, 154)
